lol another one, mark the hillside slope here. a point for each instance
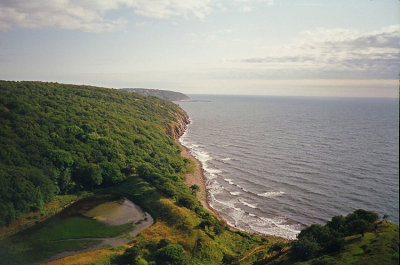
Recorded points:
(60, 139)
(163, 94)
(61, 142)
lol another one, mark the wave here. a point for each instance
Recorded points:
(249, 204)
(275, 226)
(230, 181)
(250, 222)
(271, 194)
(200, 154)
(231, 209)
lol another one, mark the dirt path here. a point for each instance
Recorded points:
(142, 220)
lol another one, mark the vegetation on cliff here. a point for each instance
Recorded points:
(65, 140)
(163, 94)
(358, 238)
(58, 139)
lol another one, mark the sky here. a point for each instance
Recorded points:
(341, 48)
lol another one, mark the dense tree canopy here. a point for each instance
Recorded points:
(321, 239)
(57, 138)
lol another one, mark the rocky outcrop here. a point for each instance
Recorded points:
(178, 127)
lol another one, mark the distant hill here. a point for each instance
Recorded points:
(163, 94)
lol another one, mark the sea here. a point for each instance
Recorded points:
(274, 165)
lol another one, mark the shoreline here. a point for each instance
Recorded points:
(197, 177)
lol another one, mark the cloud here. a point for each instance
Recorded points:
(91, 15)
(162, 9)
(209, 36)
(246, 6)
(337, 53)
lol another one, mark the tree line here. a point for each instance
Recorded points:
(59, 139)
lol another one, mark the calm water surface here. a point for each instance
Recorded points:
(276, 164)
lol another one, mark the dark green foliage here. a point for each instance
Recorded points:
(337, 223)
(163, 253)
(195, 188)
(361, 214)
(188, 201)
(57, 138)
(277, 247)
(229, 259)
(171, 254)
(111, 173)
(87, 175)
(318, 239)
(305, 248)
(163, 94)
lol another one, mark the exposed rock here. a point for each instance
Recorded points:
(177, 128)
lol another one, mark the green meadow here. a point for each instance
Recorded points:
(58, 235)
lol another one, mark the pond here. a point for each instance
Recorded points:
(91, 223)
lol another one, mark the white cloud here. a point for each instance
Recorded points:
(246, 6)
(336, 53)
(162, 9)
(246, 9)
(90, 15)
(209, 36)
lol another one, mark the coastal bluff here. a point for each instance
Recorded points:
(163, 94)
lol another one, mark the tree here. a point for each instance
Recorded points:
(368, 216)
(111, 173)
(337, 223)
(88, 175)
(359, 226)
(171, 254)
(194, 188)
(304, 248)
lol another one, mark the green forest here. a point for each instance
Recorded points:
(163, 94)
(59, 140)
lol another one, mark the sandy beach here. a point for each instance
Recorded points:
(197, 177)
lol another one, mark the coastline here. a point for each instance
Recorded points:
(197, 177)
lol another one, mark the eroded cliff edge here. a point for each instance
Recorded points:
(177, 128)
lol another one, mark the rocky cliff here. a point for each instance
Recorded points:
(178, 127)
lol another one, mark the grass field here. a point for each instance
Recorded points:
(55, 236)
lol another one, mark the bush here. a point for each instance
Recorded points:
(187, 201)
(330, 237)
(305, 248)
(171, 254)
(277, 247)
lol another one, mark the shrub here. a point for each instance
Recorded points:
(171, 254)
(305, 248)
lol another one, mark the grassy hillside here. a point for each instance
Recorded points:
(64, 139)
(58, 139)
(377, 247)
(61, 142)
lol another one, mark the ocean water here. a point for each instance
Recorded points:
(274, 165)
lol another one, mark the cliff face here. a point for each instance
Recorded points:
(178, 127)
